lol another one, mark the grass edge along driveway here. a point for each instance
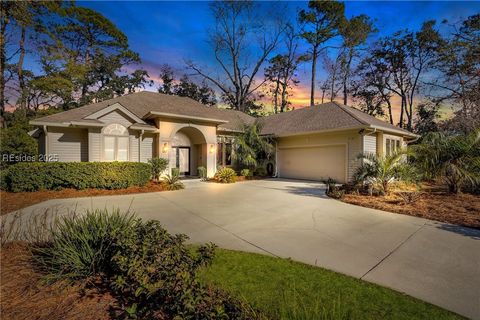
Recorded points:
(292, 290)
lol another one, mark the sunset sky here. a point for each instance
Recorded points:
(171, 32)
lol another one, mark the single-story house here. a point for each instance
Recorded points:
(312, 143)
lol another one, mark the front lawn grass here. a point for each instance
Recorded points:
(290, 290)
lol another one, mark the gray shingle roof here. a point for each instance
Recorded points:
(323, 117)
(327, 116)
(141, 103)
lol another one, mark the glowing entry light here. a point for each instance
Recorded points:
(212, 148)
(165, 148)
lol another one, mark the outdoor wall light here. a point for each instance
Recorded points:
(165, 148)
(212, 148)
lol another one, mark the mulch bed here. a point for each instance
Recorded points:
(25, 297)
(11, 201)
(459, 209)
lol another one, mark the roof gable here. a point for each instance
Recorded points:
(114, 107)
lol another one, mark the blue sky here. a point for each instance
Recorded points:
(170, 32)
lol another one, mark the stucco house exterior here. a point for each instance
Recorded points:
(312, 143)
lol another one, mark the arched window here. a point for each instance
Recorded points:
(115, 143)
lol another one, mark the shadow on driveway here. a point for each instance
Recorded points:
(318, 192)
(464, 231)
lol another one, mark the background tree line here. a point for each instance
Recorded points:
(81, 57)
(255, 58)
(415, 71)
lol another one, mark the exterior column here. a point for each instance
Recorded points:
(211, 159)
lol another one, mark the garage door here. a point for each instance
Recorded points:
(315, 163)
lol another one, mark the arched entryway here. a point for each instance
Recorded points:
(189, 151)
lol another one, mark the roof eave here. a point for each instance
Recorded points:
(399, 131)
(65, 124)
(281, 135)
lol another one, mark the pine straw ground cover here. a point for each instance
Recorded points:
(434, 203)
(24, 297)
(12, 201)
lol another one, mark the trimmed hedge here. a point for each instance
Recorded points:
(33, 176)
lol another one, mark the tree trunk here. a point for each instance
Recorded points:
(400, 123)
(345, 78)
(275, 96)
(389, 104)
(314, 72)
(410, 116)
(334, 78)
(4, 5)
(284, 104)
(21, 78)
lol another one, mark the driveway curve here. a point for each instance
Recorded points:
(435, 262)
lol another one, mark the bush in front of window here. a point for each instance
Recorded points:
(226, 175)
(33, 176)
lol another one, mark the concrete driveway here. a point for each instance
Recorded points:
(436, 262)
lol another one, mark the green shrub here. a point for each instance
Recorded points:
(148, 270)
(153, 268)
(82, 246)
(455, 159)
(381, 171)
(226, 175)
(260, 172)
(15, 141)
(33, 176)
(4, 179)
(246, 173)
(159, 165)
(175, 172)
(202, 172)
(172, 182)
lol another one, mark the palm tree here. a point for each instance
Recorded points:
(251, 146)
(453, 158)
(382, 170)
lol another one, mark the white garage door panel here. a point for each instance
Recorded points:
(316, 163)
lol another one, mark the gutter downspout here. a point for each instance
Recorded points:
(45, 131)
(276, 158)
(140, 145)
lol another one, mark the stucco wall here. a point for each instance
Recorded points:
(198, 134)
